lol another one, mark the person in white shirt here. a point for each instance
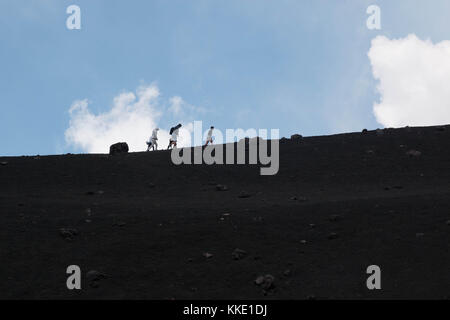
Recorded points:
(174, 136)
(209, 138)
(152, 143)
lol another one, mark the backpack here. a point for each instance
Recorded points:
(178, 126)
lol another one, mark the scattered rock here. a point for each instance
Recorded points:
(394, 187)
(92, 193)
(419, 234)
(293, 198)
(94, 277)
(238, 254)
(207, 255)
(221, 187)
(413, 153)
(119, 224)
(287, 272)
(333, 236)
(3, 163)
(440, 129)
(265, 282)
(312, 225)
(68, 233)
(335, 217)
(259, 281)
(303, 241)
(151, 185)
(448, 222)
(118, 148)
(225, 216)
(370, 152)
(244, 194)
(88, 221)
(302, 199)
(296, 137)
(258, 219)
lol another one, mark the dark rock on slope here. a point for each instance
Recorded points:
(118, 148)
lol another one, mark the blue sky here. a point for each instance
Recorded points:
(300, 66)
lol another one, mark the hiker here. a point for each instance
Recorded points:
(174, 136)
(152, 143)
(209, 138)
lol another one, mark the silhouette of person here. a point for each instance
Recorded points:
(174, 136)
(152, 143)
(209, 138)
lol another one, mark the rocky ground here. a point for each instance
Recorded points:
(140, 227)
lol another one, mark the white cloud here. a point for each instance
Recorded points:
(180, 108)
(175, 105)
(131, 119)
(414, 78)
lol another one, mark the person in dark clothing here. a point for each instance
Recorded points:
(174, 136)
